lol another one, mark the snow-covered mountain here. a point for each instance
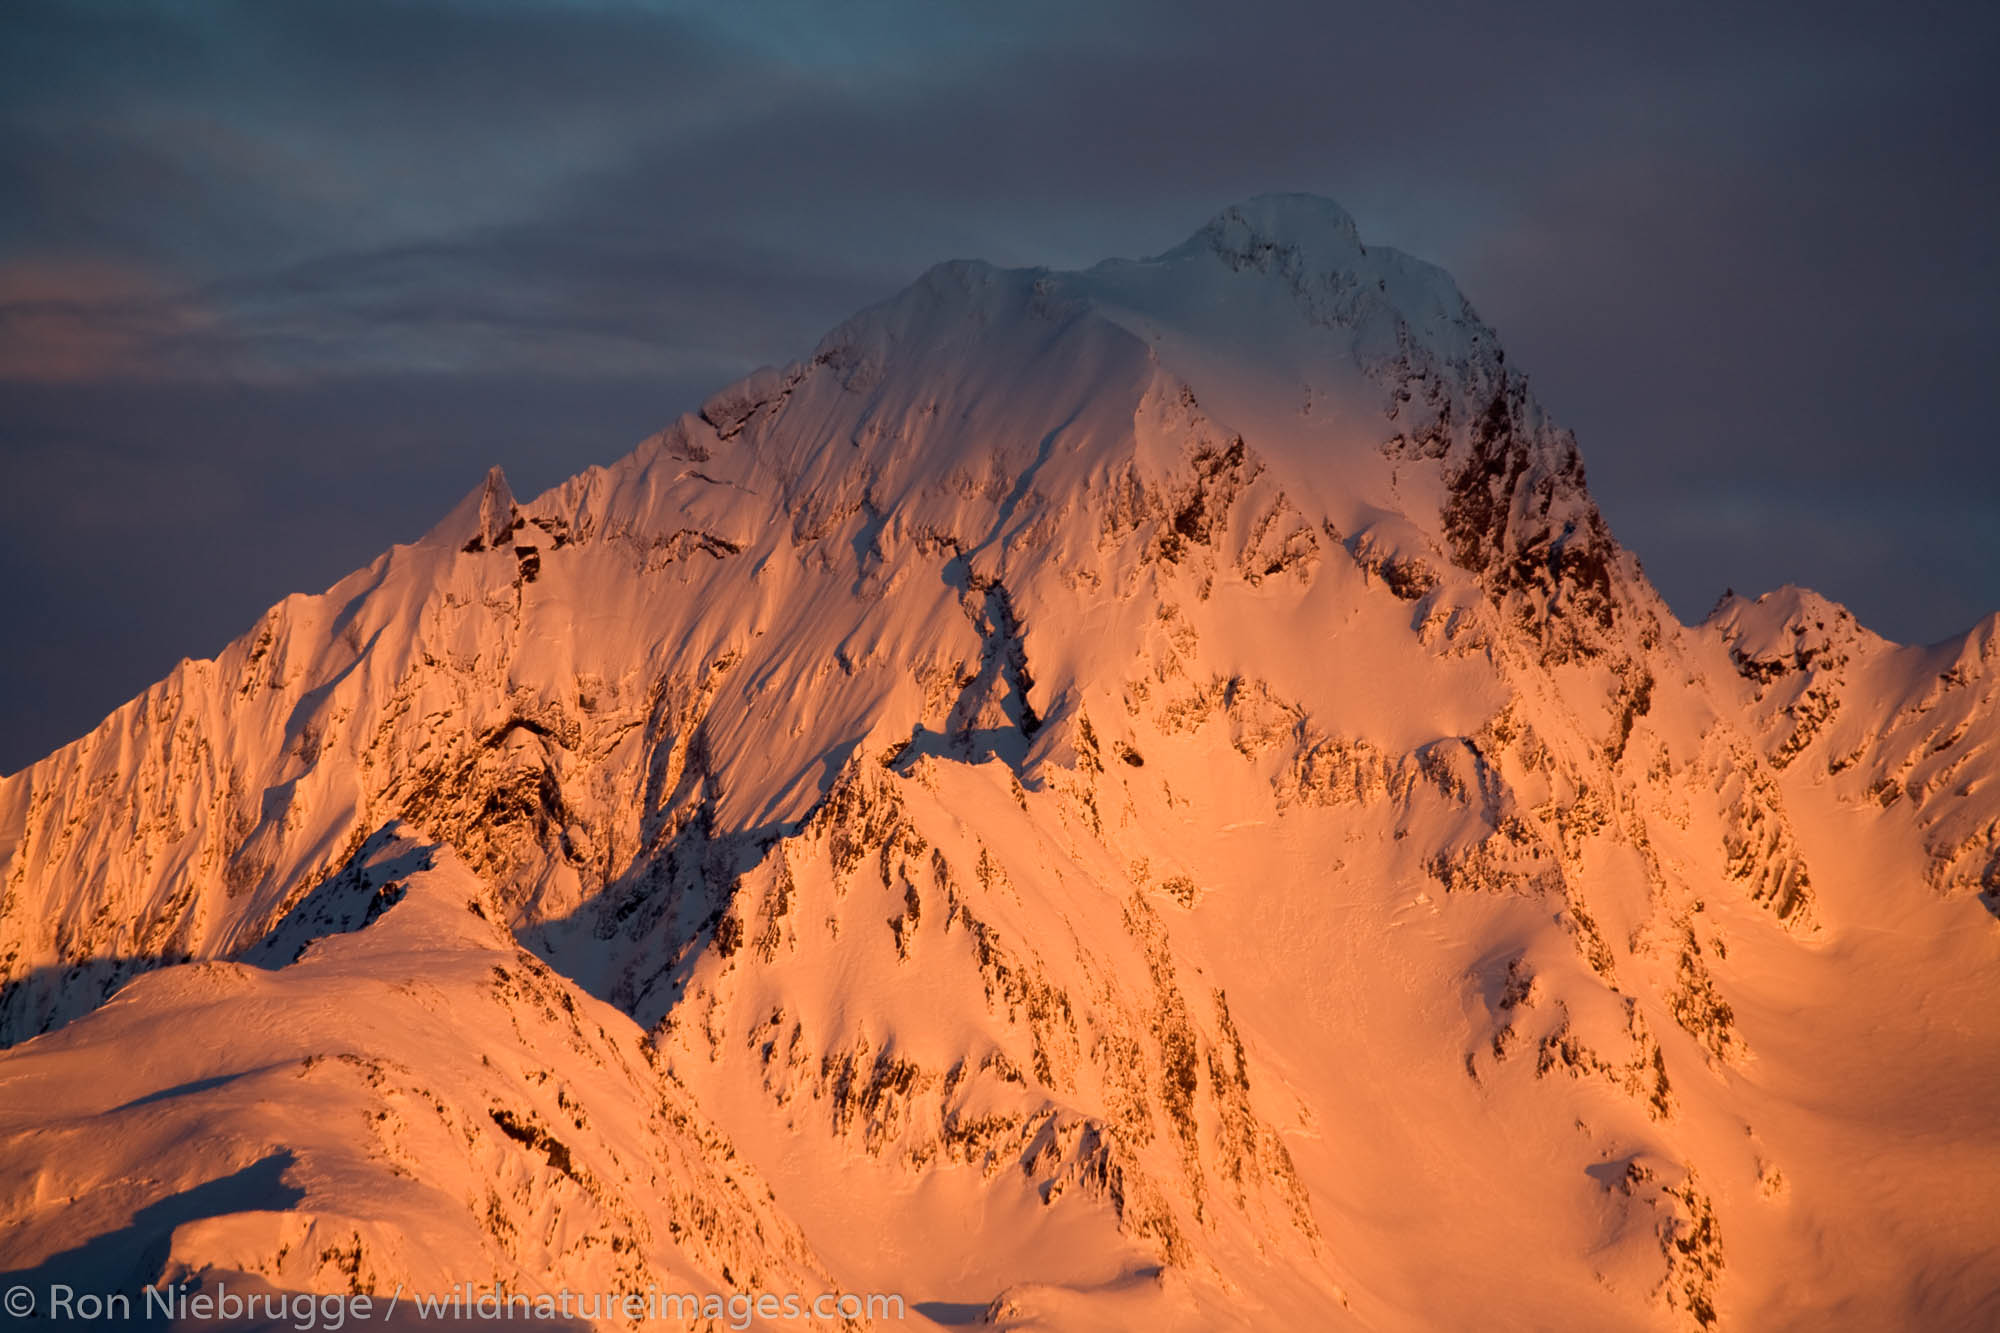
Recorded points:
(1146, 798)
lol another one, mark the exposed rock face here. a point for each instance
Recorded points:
(1165, 762)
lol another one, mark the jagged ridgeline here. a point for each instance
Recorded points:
(1145, 798)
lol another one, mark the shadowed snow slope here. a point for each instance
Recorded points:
(1145, 798)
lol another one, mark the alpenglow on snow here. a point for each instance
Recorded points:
(1146, 798)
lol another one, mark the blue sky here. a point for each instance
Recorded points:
(279, 281)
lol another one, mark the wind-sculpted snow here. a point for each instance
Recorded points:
(415, 1104)
(1911, 731)
(1145, 798)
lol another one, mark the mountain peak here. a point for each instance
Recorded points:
(1307, 253)
(482, 519)
(1078, 753)
(1308, 223)
(1782, 620)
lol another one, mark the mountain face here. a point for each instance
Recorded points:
(1146, 798)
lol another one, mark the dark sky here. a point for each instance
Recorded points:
(279, 280)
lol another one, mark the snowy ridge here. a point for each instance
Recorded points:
(1911, 730)
(1087, 786)
(422, 1067)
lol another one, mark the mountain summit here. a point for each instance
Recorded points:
(1140, 798)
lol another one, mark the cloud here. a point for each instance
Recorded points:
(64, 321)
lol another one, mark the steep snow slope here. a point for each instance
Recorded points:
(420, 1102)
(1138, 798)
(1905, 729)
